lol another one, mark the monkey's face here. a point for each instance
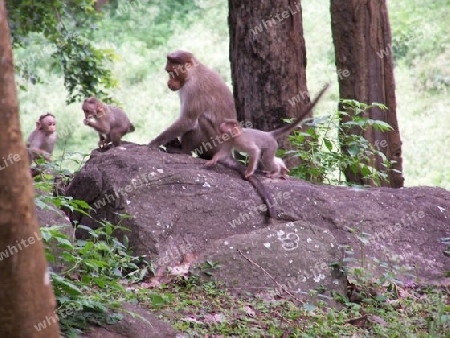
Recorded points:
(178, 74)
(47, 125)
(231, 127)
(90, 108)
(174, 84)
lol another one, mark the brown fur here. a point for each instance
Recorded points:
(42, 139)
(110, 122)
(261, 146)
(206, 101)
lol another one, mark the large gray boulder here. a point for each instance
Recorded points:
(178, 206)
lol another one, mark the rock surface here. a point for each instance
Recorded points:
(178, 206)
(137, 323)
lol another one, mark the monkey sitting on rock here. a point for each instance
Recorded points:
(110, 122)
(205, 102)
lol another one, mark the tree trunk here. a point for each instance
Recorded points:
(26, 295)
(268, 62)
(362, 39)
(99, 4)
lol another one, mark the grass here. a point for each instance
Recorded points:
(422, 67)
(208, 308)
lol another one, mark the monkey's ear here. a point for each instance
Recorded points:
(38, 125)
(100, 108)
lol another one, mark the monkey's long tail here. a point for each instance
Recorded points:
(256, 182)
(286, 129)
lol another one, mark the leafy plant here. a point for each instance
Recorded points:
(93, 274)
(331, 149)
(90, 274)
(87, 70)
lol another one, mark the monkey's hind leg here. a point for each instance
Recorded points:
(116, 138)
(102, 141)
(173, 147)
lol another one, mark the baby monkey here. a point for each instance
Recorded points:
(261, 146)
(110, 122)
(42, 139)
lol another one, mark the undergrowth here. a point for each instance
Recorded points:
(331, 148)
(89, 274)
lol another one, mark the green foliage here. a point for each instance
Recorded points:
(331, 147)
(86, 69)
(152, 22)
(415, 35)
(91, 273)
(198, 308)
(94, 274)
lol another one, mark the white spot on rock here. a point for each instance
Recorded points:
(318, 278)
(267, 245)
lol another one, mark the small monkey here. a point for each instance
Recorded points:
(42, 139)
(261, 146)
(110, 122)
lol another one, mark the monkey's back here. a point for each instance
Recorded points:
(118, 119)
(213, 97)
(261, 139)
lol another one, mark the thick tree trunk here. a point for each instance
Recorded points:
(362, 39)
(26, 295)
(268, 61)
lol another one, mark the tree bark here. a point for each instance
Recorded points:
(99, 4)
(268, 62)
(362, 39)
(26, 295)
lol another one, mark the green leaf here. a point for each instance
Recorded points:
(353, 150)
(328, 144)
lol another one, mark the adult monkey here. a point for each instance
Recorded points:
(205, 102)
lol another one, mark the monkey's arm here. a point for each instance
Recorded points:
(52, 142)
(178, 128)
(253, 155)
(38, 151)
(35, 142)
(102, 126)
(223, 152)
(32, 137)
